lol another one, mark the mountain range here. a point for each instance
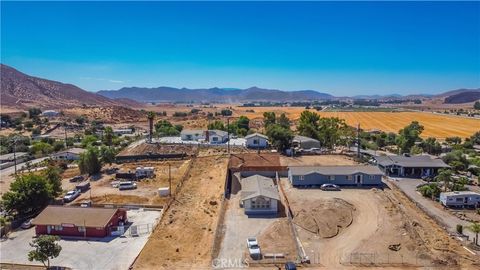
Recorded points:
(20, 90)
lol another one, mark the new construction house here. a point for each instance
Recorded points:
(259, 195)
(410, 166)
(339, 175)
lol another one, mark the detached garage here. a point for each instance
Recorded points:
(79, 221)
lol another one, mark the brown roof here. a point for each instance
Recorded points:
(78, 216)
(255, 161)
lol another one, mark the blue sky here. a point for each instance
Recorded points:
(343, 48)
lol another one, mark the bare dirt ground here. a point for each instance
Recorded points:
(323, 160)
(381, 218)
(147, 189)
(277, 238)
(183, 239)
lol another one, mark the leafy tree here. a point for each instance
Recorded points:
(54, 180)
(34, 112)
(28, 194)
(243, 123)
(445, 176)
(165, 128)
(45, 248)
(268, 119)
(279, 136)
(308, 124)
(108, 136)
(217, 124)
(453, 140)
(283, 121)
(432, 146)
(454, 156)
(58, 145)
(475, 228)
(107, 155)
(226, 112)
(408, 136)
(476, 105)
(416, 150)
(89, 141)
(89, 162)
(431, 190)
(41, 148)
(475, 138)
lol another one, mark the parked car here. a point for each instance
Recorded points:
(71, 195)
(27, 224)
(127, 185)
(329, 187)
(78, 178)
(290, 266)
(84, 186)
(253, 248)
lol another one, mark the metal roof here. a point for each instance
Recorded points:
(78, 216)
(256, 135)
(459, 193)
(412, 162)
(335, 170)
(299, 138)
(258, 185)
(218, 132)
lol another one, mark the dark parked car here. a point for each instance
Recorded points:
(290, 266)
(78, 178)
(82, 187)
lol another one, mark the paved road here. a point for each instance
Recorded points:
(449, 221)
(6, 175)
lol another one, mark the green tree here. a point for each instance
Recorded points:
(475, 228)
(28, 194)
(454, 158)
(243, 122)
(416, 150)
(476, 105)
(408, 136)
(34, 112)
(107, 154)
(268, 119)
(89, 162)
(283, 121)
(431, 146)
(108, 136)
(308, 124)
(217, 124)
(430, 191)
(89, 141)
(445, 176)
(453, 140)
(165, 128)
(279, 137)
(42, 148)
(45, 249)
(54, 180)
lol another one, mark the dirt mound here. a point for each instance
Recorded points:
(325, 217)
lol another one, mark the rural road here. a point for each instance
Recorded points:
(433, 209)
(6, 175)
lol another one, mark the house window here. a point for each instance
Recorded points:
(332, 177)
(81, 229)
(255, 141)
(58, 228)
(302, 177)
(459, 199)
(349, 177)
(215, 139)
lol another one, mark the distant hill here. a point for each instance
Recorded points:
(457, 91)
(463, 97)
(170, 94)
(21, 90)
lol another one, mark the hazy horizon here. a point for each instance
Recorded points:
(339, 48)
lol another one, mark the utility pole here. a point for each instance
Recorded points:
(170, 179)
(228, 135)
(358, 140)
(15, 154)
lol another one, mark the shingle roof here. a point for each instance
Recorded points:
(412, 162)
(255, 135)
(335, 170)
(258, 185)
(78, 216)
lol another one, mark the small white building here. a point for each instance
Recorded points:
(144, 172)
(192, 134)
(460, 199)
(256, 141)
(259, 196)
(216, 136)
(69, 154)
(50, 113)
(122, 131)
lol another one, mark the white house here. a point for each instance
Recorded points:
(192, 134)
(69, 154)
(460, 199)
(256, 140)
(216, 136)
(259, 196)
(122, 131)
(143, 172)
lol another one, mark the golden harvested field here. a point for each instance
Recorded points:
(439, 126)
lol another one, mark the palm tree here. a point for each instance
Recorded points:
(475, 228)
(444, 176)
(150, 116)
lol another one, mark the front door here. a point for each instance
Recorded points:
(358, 179)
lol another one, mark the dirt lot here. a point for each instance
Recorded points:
(379, 221)
(147, 189)
(323, 160)
(183, 239)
